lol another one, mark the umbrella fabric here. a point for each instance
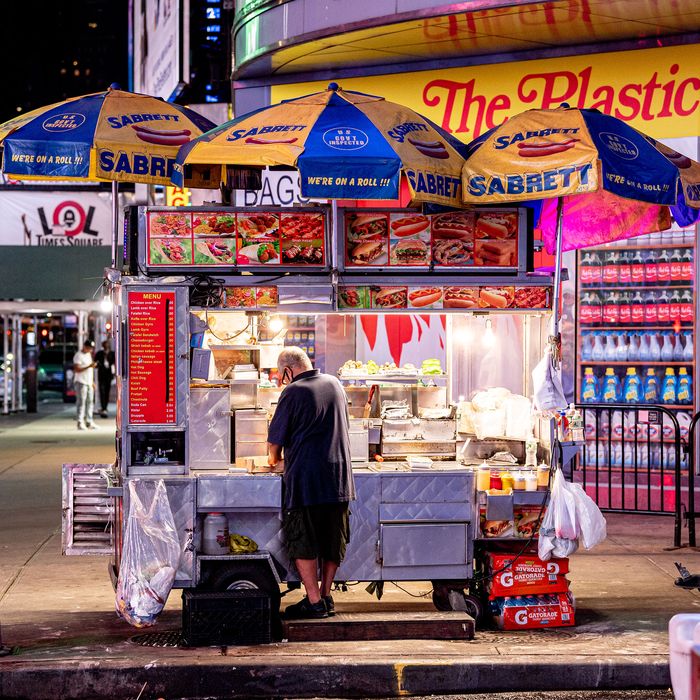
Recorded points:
(113, 135)
(563, 152)
(346, 145)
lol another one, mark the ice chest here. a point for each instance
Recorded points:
(226, 618)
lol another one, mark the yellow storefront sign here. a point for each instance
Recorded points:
(654, 90)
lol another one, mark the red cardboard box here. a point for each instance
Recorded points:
(526, 575)
(534, 612)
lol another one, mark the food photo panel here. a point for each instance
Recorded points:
(353, 298)
(209, 224)
(170, 251)
(214, 251)
(258, 238)
(496, 239)
(425, 297)
(388, 297)
(366, 239)
(453, 239)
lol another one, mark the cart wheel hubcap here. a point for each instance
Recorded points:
(242, 585)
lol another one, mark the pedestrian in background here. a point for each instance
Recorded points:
(105, 375)
(84, 380)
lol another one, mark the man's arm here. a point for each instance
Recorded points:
(274, 454)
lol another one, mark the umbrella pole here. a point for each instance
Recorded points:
(555, 339)
(115, 221)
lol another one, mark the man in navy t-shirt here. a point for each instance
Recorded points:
(311, 425)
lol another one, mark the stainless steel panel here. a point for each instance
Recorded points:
(250, 424)
(401, 429)
(437, 430)
(402, 448)
(244, 395)
(210, 428)
(427, 488)
(239, 492)
(414, 512)
(250, 448)
(424, 545)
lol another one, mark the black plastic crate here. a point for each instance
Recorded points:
(227, 617)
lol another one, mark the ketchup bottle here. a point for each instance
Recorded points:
(624, 268)
(676, 267)
(637, 268)
(611, 273)
(625, 309)
(663, 268)
(650, 275)
(651, 314)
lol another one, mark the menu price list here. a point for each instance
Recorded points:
(152, 390)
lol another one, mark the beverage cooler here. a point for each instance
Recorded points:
(636, 346)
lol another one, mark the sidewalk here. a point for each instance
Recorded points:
(58, 613)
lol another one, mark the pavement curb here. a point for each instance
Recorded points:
(228, 677)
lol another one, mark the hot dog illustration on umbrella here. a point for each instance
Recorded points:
(346, 145)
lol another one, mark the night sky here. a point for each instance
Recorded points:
(61, 49)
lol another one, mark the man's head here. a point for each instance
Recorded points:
(105, 345)
(88, 346)
(291, 362)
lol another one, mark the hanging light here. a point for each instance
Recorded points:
(106, 304)
(488, 340)
(276, 324)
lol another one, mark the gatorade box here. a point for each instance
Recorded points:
(534, 612)
(527, 575)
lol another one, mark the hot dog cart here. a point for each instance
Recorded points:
(206, 299)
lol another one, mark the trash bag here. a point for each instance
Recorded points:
(558, 532)
(549, 391)
(591, 523)
(150, 554)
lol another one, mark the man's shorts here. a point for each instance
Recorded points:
(317, 532)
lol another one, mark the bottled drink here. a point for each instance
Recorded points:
(589, 387)
(611, 274)
(674, 306)
(624, 269)
(678, 349)
(611, 386)
(611, 310)
(598, 351)
(591, 269)
(654, 348)
(644, 354)
(684, 387)
(633, 349)
(688, 350)
(591, 310)
(637, 268)
(622, 350)
(650, 276)
(632, 391)
(668, 388)
(624, 309)
(651, 387)
(663, 267)
(687, 266)
(676, 266)
(666, 348)
(637, 308)
(686, 306)
(663, 309)
(586, 347)
(610, 347)
(651, 314)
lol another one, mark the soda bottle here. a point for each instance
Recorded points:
(584, 309)
(624, 269)
(611, 310)
(650, 275)
(676, 267)
(674, 306)
(591, 269)
(663, 268)
(687, 266)
(637, 268)
(637, 308)
(651, 314)
(611, 273)
(686, 306)
(663, 308)
(625, 309)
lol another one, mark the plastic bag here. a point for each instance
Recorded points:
(591, 523)
(559, 529)
(150, 554)
(549, 391)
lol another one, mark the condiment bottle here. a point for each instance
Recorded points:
(530, 481)
(495, 480)
(531, 451)
(543, 477)
(483, 477)
(519, 481)
(506, 480)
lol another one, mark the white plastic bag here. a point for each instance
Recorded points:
(150, 554)
(549, 391)
(591, 523)
(559, 529)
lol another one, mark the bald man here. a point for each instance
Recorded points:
(311, 425)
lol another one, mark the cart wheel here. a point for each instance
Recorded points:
(246, 577)
(446, 599)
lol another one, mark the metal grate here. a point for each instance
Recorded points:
(169, 638)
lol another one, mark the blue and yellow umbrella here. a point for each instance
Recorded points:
(345, 144)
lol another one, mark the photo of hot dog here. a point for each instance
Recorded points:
(255, 141)
(498, 225)
(453, 225)
(535, 149)
(409, 251)
(409, 225)
(162, 137)
(424, 296)
(361, 227)
(366, 252)
(389, 298)
(496, 297)
(432, 149)
(495, 253)
(460, 298)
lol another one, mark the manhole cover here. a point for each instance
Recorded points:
(172, 638)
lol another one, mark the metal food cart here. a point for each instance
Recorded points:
(198, 326)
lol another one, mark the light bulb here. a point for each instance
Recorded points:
(463, 335)
(488, 340)
(276, 324)
(10, 356)
(106, 304)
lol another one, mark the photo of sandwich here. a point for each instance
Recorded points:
(409, 251)
(404, 226)
(496, 297)
(490, 253)
(367, 252)
(461, 298)
(389, 297)
(363, 227)
(497, 224)
(526, 520)
(496, 528)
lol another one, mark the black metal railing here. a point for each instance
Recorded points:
(633, 461)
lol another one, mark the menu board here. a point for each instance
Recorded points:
(471, 238)
(384, 298)
(151, 353)
(242, 238)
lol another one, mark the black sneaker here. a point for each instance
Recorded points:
(304, 610)
(330, 604)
